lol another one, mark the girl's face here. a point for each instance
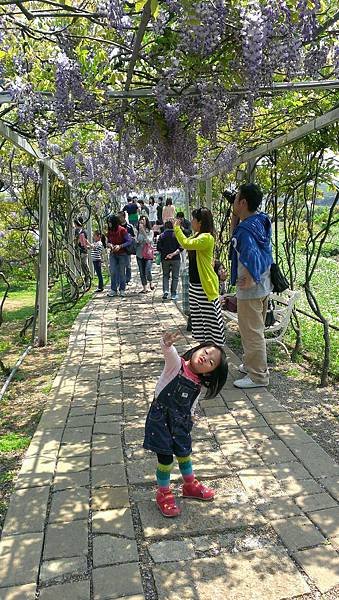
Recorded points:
(196, 225)
(205, 360)
(96, 237)
(142, 221)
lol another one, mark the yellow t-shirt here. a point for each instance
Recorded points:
(203, 244)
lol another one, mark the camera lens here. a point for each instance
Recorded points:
(229, 195)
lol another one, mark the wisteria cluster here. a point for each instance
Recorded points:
(202, 28)
(315, 60)
(336, 60)
(70, 91)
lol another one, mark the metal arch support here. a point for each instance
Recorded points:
(43, 254)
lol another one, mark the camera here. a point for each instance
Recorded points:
(229, 195)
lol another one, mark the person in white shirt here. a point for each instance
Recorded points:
(152, 207)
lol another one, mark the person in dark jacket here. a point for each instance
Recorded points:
(185, 224)
(159, 209)
(251, 255)
(169, 249)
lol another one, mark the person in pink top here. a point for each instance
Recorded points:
(169, 420)
(168, 212)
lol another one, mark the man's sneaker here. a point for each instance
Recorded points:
(122, 293)
(242, 369)
(166, 504)
(165, 296)
(174, 297)
(247, 383)
(197, 491)
(112, 294)
(98, 290)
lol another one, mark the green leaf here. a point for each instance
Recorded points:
(155, 8)
(140, 4)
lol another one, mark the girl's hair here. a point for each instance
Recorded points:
(151, 200)
(101, 236)
(216, 379)
(147, 226)
(113, 222)
(204, 216)
(169, 202)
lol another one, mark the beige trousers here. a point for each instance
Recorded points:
(251, 321)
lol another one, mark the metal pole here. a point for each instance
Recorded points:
(43, 255)
(209, 193)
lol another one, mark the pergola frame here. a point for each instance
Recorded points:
(47, 166)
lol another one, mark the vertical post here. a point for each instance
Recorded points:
(250, 175)
(43, 254)
(275, 196)
(209, 193)
(187, 201)
(90, 239)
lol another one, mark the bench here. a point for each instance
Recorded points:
(284, 305)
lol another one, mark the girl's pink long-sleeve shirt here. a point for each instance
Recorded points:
(173, 364)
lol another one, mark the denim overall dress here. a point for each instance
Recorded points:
(169, 423)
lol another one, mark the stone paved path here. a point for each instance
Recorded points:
(82, 523)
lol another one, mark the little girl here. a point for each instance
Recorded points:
(169, 420)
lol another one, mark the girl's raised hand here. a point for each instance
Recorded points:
(169, 338)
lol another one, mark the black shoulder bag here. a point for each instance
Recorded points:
(279, 281)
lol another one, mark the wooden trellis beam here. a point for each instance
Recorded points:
(23, 144)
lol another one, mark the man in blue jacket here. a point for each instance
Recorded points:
(251, 264)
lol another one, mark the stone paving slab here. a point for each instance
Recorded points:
(298, 532)
(115, 522)
(322, 565)
(33, 503)
(56, 569)
(110, 583)
(77, 590)
(21, 592)
(196, 518)
(87, 486)
(20, 558)
(66, 540)
(257, 575)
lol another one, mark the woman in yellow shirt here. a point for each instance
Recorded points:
(205, 309)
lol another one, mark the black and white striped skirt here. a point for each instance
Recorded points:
(206, 317)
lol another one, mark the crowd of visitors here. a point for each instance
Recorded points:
(187, 248)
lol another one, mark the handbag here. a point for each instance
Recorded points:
(147, 251)
(279, 281)
(270, 318)
(230, 303)
(132, 248)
